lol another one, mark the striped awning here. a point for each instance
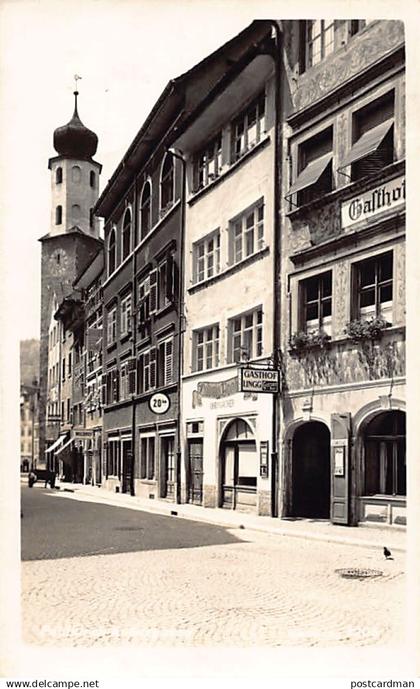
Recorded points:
(310, 174)
(64, 446)
(57, 442)
(368, 143)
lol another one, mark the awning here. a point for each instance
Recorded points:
(368, 143)
(310, 174)
(57, 442)
(64, 446)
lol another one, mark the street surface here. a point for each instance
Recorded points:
(99, 575)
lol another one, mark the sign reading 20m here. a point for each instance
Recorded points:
(159, 403)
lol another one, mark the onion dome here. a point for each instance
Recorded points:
(74, 140)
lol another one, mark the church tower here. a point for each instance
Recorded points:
(71, 243)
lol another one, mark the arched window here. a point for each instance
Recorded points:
(145, 210)
(58, 215)
(92, 179)
(126, 234)
(59, 175)
(112, 252)
(76, 174)
(167, 183)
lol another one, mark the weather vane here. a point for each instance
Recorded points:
(76, 79)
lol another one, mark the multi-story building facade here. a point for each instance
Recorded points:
(343, 279)
(230, 151)
(88, 383)
(144, 210)
(71, 243)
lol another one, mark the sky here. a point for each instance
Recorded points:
(125, 52)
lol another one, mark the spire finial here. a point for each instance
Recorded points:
(76, 92)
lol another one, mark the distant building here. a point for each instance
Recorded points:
(29, 427)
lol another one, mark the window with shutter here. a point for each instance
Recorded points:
(152, 368)
(132, 365)
(168, 361)
(153, 291)
(103, 390)
(170, 279)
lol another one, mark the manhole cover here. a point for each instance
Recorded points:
(357, 573)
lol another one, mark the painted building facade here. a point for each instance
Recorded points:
(343, 274)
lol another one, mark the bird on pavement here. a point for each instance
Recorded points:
(387, 553)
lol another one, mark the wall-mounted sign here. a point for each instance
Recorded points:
(215, 390)
(159, 403)
(264, 459)
(259, 380)
(371, 203)
(339, 461)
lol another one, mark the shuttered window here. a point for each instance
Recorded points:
(165, 362)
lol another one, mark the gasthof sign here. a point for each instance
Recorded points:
(259, 380)
(387, 196)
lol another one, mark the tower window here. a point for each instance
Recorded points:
(59, 175)
(58, 258)
(92, 179)
(58, 215)
(76, 174)
(90, 217)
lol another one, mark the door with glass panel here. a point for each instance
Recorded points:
(168, 467)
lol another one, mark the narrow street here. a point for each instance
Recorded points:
(100, 575)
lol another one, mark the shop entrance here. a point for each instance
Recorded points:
(126, 457)
(385, 457)
(195, 471)
(311, 473)
(239, 467)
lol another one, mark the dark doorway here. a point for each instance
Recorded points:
(126, 453)
(195, 471)
(311, 473)
(385, 456)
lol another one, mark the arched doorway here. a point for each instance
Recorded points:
(311, 473)
(384, 455)
(239, 467)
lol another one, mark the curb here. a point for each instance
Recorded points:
(274, 530)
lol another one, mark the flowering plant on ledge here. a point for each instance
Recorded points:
(359, 330)
(302, 340)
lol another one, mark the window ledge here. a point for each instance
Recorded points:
(110, 347)
(393, 330)
(195, 196)
(229, 270)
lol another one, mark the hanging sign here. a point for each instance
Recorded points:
(259, 380)
(159, 403)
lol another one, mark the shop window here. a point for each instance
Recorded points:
(208, 163)
(206, 257)
(167, 181)
(112, 326)
(317, 41)
(165, 369)
(125, 316)
(246, 233)
(249, 128)
(245, 335)
(147, 458)
(314, 168)
(126, 234)
(114, 458)
(316, 303)
(58, 215)
(146, 210)
(385, 455)
(112, 252)
(59, 175)
(205, 352)
(373, 288)
(373, 138)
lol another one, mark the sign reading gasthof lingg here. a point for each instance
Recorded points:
(259, 380)
(371, 203)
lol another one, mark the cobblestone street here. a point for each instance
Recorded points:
(240, 588)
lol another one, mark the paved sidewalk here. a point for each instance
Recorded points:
(371, 536)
